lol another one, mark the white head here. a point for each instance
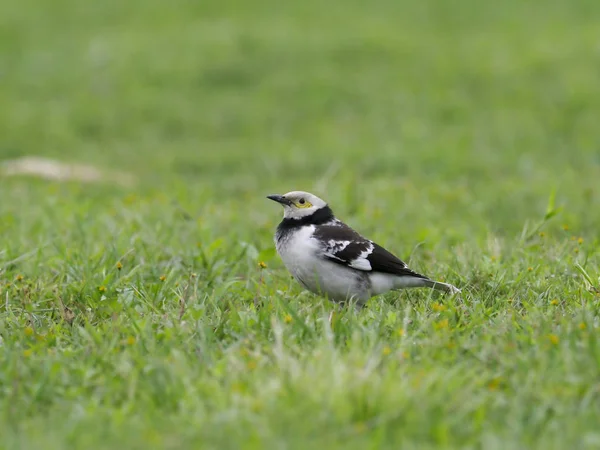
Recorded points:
(298, 204)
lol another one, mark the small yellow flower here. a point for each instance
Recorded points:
(494, 384)
(130, 340)
(257, 406)
(194, 275)
(554, 302)
(386, 350)
(360, 427)
(580, 240)
(582, 326)
(129, 199)
(237, 387)
(439, 307)
(27, 353)
(262, 265)
(287, 318)
(529, 269)
(553, 339)
(565, 227)
(119, 265)
(576, 250)
(162, 278)
(102, 289)
(442, 324)
(401, 332)
(251, 365)
(542, 234)
(28, 331)
(19, 277)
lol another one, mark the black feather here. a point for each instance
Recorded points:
(334, 236)
(320, 216)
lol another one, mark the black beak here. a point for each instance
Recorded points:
(279, 199)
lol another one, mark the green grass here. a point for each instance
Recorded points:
(463, 136)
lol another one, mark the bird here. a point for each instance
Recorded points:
(329, 258)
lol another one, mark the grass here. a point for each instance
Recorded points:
(461, 136)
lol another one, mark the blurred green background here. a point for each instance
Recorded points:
(445, 130)
(401, 98)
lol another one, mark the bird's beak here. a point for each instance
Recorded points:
(279, 199)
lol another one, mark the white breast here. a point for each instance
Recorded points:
(298, 251)
(300, 255)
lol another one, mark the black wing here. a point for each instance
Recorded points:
(343, 245)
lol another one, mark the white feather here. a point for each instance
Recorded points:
(303, 258)
(361, 262)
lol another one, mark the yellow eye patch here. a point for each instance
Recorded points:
(302, 203)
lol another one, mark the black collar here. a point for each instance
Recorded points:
(320, 216)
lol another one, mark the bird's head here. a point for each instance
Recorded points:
(298, 204)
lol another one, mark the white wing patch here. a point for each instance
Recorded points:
(333, 247)
(346, 251)
(336, 246)
(361, 262)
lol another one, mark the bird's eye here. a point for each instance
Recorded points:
(302, 201)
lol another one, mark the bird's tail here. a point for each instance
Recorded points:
(444, 287)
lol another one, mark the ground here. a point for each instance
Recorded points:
(146, 308)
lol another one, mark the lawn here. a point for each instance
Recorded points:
(152, 312)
